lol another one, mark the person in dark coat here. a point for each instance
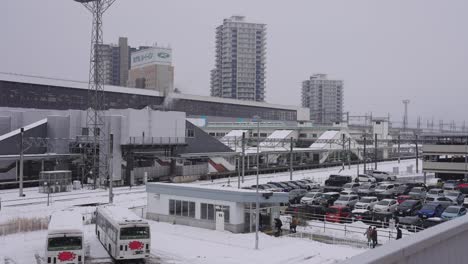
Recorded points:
(398, 234)
(368, 234)
(374, 237)
(278, 225)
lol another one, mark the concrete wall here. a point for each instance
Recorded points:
(444, 149)
(444, 243)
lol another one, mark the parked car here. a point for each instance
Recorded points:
(309, 197)
(363, 215)
(435, 193)
(444, 201)
(307, 211)
(347, 200)
(431, 210)
(456, 197)
(430, 222)
(384, 191)
(283, 186)
(403, 198)
(338, 180)
(366, 189)
(310, 185)
(408, 208)
(381, 175)
(292, 185)
(453, 212)
(338, 214)
(348, 192)
(386, 206)
(327, 198)
(365, 178)
(416, 184)
(402, 189)
(451, 185)
(352, 186)
(418, 193)
(296, 195)
(300, 184)
(366, 202)
(410, 223)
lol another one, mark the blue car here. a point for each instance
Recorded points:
(453, 212)
(431, 210)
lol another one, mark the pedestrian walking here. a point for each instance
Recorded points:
(293, 225)
(398, 234)
(374, 237)
(278, 225)
(368, 234)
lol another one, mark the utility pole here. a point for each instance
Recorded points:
(398, 148)
(349, 153)
(21, 172)
(257, 203)
(365, 154)
(291, 160)
(243, 156)
(111, 175)
(343, 152)
(375, 151)
(405, 117)
(417, 155)
(97, 162)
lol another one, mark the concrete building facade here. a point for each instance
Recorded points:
(152, 69)
(324, 98)
(116, 61)
(239, 71)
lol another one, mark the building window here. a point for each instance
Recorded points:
(302, 135)
(182, 208)
(190, 133)
(208, 211)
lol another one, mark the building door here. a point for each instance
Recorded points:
(219, 220)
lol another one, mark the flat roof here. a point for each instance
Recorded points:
(21, 78)
(120, 215)
(215, 193)
(65, 222)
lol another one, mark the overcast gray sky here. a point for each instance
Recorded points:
(385, 51)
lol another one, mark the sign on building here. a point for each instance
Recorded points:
(156, 55)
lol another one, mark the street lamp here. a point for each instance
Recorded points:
(257, 202)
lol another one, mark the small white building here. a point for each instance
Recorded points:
(220, 208)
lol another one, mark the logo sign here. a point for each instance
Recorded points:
(151, 56)
(135, 245)
(66, 256)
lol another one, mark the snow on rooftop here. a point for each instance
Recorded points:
(26, 128)
(66, 222)
(120, 214)
(235, 133)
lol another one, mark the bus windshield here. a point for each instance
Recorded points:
(64, 243)
(134, 232)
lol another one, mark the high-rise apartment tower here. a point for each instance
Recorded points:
(324, 98)
(239, 71)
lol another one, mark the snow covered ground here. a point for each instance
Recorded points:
(174, 243)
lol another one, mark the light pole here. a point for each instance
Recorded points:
(257, 202)
(48, 192)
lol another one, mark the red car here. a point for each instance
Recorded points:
(337, 213)
(403, 198)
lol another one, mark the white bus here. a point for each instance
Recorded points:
(122, 233)
(65, 239)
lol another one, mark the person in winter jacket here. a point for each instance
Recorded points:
(368, 234)
(398, 234)
(278, 225)
(293, 225)
(374, 237)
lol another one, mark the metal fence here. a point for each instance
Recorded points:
(330, 239)
(22, 225)
(155, 140)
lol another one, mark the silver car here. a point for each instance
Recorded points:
(418, 193)
(347, 200)
(435, 193)
(366, 202)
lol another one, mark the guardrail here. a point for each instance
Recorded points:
(317, 222)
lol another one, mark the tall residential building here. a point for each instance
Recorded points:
(116, 61)
(152, 69)
(324, 98)
(240, 60)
